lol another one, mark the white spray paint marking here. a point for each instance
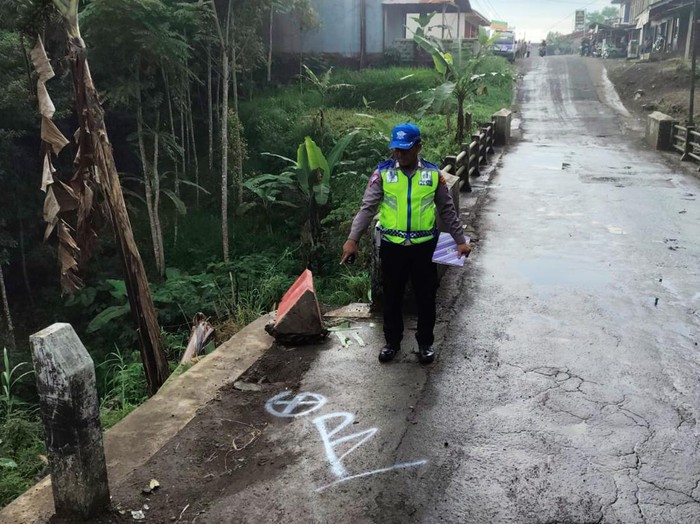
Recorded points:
(375, 472)
(282, 406)
(330, 445)
(279, 407)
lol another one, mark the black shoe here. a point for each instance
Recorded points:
(426, 354)
(388, 353)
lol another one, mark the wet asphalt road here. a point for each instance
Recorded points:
(566, 389)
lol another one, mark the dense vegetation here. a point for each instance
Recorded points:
(159, 66)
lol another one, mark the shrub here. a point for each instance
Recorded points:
(382, 87)
(21, 440)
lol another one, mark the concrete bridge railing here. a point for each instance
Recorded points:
(664, 133)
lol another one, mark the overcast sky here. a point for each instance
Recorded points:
(535, 18)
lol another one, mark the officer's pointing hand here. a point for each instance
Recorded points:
(350, 248)
(463, 250)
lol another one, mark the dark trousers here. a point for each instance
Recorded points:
(399, 264)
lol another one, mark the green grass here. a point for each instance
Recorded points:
(21, 440)
(382, 87)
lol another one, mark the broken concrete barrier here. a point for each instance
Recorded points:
(298, 317)
(659, 131)
(70, 410)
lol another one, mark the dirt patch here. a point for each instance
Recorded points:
(653, 86)
(223, 450)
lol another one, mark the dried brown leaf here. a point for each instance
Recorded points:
(66, 239)
(52, 136)
(41, 62)
(51, 210)
(70, 283)
(65, 196)
(46, 107)
(47, 173)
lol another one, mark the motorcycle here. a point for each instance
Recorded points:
(659, 45)
(543, 51)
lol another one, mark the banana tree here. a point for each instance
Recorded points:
(463, 79)
(312, 172)
(423, 20)
(268, 191)
(95, 156)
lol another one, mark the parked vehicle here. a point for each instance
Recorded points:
(660, 44)
(585, 48)
(610, 51)
(504, 45)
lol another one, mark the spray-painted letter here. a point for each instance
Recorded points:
(326, 435)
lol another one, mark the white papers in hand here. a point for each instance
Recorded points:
(446, 251)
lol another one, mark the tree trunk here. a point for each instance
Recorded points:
(269, 49)
(459, 138)
(193, 145)
(314, 222)
(234, 63)
(177, 171)
(237, 128)
(224, 138)
(23, 257)
(210, 111)
(10, 338)
(160, 263)
(147, 181)
(94, 138)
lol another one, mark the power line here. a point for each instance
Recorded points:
(570, 16)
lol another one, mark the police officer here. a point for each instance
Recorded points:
(409, 193)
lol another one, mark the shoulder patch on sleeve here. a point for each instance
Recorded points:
(386, 164)
(374, 178)
(442, 180)
(430, 165)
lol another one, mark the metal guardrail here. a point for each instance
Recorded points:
(473, 155)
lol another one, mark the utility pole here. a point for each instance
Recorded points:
(691, 105)
(363, 32)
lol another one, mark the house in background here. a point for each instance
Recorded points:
(671, 24)
(362, 31)
(662, 27)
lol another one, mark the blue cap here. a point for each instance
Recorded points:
(404, 136)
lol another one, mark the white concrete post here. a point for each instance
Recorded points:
(501, 133)
(659, 131)
(65, 378)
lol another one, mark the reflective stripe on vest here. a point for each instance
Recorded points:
(407, 211)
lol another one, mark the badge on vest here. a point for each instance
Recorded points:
(392, 177)
(426, 178)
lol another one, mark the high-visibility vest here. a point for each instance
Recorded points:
(407, 211)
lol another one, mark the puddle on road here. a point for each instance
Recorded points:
(557, 272)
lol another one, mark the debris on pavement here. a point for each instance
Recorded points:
(357, 310)
(202, 333)
(153, 485)
(247, 386)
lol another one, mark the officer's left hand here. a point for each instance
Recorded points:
(464, 250)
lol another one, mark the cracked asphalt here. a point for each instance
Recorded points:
(566, 385)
